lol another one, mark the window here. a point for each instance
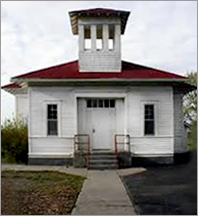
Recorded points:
(106, 103)
(89, 103)
(100, 103)
(99, 37)
(94, 103)
(87, 36)
(149, 119)
(111, 37)
(52, 119)
(112, 103)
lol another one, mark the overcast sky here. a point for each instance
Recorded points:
(37, 34)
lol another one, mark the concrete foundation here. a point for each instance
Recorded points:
(51, 161)
(151, 161)
(124, 160)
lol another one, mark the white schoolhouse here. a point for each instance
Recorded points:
(101, 111)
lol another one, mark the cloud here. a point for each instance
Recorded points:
(37, 34)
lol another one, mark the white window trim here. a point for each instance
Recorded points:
(58, 103)
(149, 102)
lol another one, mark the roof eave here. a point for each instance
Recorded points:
(15, 91)
(74, 16)
(21, 80)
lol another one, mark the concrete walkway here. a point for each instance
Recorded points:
(64, 169)
(103, 194)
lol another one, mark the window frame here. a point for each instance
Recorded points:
(151, 120)
(111, 39)
(155, 106)
(52, 120)
(87, 40)
(99, 41)
(58, 118)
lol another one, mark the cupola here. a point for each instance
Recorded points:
(99, 32)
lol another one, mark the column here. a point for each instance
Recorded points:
(105, 37)
(117, 38)
(81, 38)
(93, 37)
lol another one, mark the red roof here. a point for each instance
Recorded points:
(71, 71)
(96, 12)
(11, 85)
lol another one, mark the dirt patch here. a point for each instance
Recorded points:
(38, 193)
(165, 190)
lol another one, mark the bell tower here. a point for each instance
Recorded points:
(99, 32)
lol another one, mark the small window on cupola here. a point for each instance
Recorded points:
(111, 37)
(87, 36)
(99, 41)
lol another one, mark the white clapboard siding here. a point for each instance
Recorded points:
(52, 145)
(162, 142)
(180, 134)
(40, 143)
(21, 105)
(103, 60)
(129, 120)
(151, 146)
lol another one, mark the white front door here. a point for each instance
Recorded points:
(101, 123)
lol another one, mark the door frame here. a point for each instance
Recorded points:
(100, 95)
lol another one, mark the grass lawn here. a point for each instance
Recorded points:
(39, 192)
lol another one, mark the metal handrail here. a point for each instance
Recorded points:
(116, 142)
(88, 145)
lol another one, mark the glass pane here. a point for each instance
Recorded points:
(52, 127)
(89, 103)
(112, 103)
(151, 115)
(149, 112)
(100, 103)
(54, 107)
(106, 103)
(52, 111)
(149, 127)
(94, 103)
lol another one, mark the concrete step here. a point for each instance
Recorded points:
(102, 153)
(103, 166)
(114, 161)
(102, 150)
(102, 157)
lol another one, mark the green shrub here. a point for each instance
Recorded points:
(14, 141)
(192, 137)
